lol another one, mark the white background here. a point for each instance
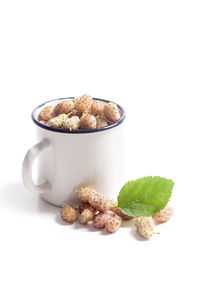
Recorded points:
(145, 55)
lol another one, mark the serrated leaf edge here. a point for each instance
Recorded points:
(162, 206)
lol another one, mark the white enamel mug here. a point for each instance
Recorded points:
(69, 160)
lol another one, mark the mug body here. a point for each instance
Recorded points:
(72, 160)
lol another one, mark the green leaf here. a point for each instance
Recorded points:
(145, 196)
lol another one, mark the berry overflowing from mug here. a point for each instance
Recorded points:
(84, 113)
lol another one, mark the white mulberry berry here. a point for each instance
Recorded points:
(63, 107)
(58, 121)
(72, 123)
(145, 226)
(100, 202)
(100, 122)
(101, 219)
(88, 122)
(86, 216)
(95, 199)
(111, 113)
(84, 104)
(164, 215)
(46, 113)
(113, 223)
(69, 213)
(97, 107)
(84, 193)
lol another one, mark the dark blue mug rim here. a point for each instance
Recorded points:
(80, 131)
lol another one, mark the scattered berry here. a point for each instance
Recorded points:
(145, 226)
(95, 199)
(111, 113)
(100, 202)
(100, 122)
(164, 215)
(86, 216)
(97, 107)
(103, 213)
(113, 223)
(68, 213)
(124, 217)
(87, 122)
(72, 123)
(84, 193)
(101, 219)
(63, 107)
(84, 104)
(46, 113)
(58, 121)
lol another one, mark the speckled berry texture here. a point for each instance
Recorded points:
(57, 122)
(100, 202)
(164, 215)
(101, 219)
(109, 220)
(84, 104)
(84, 193)
(64, 107)
(111, 113)
(97, 108)
(72, 123)
(88, 122)
(145, 226)
(46, 113)
(95, 199)
(68, 213)
(86, 216)
(113, 223)
(100, 122)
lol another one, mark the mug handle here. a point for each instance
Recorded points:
(29, 158)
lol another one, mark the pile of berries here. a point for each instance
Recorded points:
(103, 212)
(80, 113)
(94, 208)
